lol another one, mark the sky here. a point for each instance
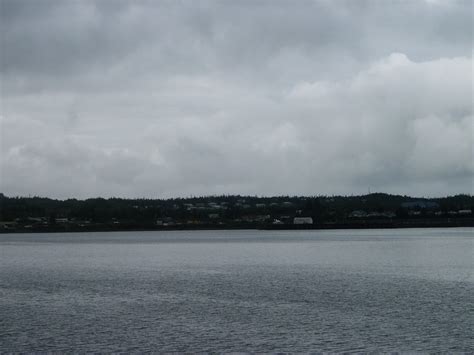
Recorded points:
(164, 99)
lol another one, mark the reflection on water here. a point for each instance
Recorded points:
(238, 291)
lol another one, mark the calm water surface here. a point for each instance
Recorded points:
(263, 291)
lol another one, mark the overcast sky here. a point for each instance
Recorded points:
(179, 98)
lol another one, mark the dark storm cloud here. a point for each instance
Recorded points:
(165, 98)
(54, 37)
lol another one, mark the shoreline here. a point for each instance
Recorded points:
(398, 224)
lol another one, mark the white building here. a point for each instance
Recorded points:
(302, 220)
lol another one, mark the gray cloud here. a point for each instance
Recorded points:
(166, 98)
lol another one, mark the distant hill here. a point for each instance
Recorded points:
(224, 210)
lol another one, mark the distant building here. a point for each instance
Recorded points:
(37, 219)
(256, 218)
(384, 214)
(302, 220)
(7, 225)
(358, 214)
(215, 206)
(420, 204)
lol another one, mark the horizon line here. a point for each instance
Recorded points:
(234, 195)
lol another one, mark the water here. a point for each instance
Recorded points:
(253, 291)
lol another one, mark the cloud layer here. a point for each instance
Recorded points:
(163, 99)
